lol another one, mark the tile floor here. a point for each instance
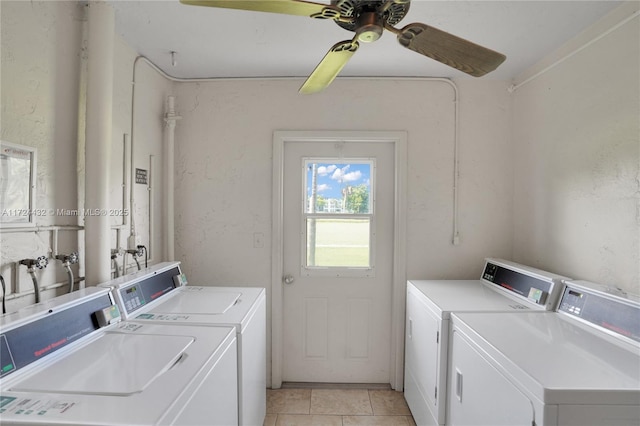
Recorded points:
(336, 407)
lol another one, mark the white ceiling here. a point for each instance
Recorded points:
(213, 42)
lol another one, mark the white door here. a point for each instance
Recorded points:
(338, 215)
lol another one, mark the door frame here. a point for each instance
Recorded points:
(399, 140)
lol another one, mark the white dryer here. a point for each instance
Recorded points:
(503, 286)
(159, 295)
(76, 363)
(579, 366)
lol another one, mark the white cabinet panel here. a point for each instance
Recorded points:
(422, 359)
(479, 394)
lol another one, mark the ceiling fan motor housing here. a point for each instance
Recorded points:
(368, 21)
(370, 27)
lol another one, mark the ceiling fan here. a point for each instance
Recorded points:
(368, 19)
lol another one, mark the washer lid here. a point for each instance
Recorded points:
(199, 301)
(116, 364)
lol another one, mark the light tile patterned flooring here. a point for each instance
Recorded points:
(336, 407)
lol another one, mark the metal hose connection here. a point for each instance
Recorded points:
(114, 260)
(33, 264)
(4, 294)
(68, 260)
(136, 253)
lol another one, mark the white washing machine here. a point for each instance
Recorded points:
(76, 363)
(158, 295)
(579, 366)
(503, 286)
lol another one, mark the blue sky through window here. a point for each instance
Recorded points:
(333, 177)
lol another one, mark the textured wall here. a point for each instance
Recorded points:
(41, 57)
(577, 160)
(43, 106)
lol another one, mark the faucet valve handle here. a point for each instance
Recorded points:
(70, 258)
(41, 262)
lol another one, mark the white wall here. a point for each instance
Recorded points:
(43, 106)
(577, 159)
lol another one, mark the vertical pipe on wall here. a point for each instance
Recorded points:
(170, 118)
(80, 151)
(456, 161)
(132, 224)
(98, 140)
(126, 211)
(150, 189)
(54, 243)
(125, 179)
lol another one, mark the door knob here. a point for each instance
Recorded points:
(288, 279)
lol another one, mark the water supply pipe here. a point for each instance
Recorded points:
(170, 119)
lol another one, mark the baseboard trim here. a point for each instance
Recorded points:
(315, 385)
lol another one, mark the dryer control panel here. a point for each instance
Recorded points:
(615, 314)
(530, 286)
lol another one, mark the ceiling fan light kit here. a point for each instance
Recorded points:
(368, 19)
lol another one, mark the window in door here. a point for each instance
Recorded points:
(338, 217)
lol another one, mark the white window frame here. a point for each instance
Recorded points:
(339, 271)
(26, 214)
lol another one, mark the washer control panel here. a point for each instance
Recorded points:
(51, 331)
(132, 298)
(139, 293)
